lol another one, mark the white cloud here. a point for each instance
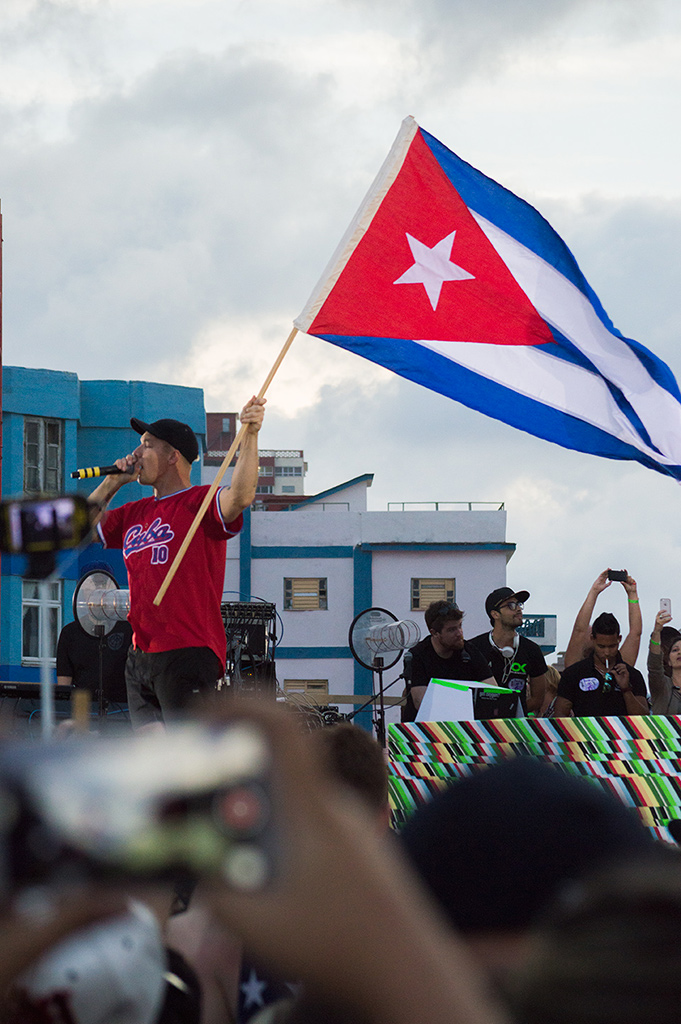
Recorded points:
(174, 175)
(231, 358)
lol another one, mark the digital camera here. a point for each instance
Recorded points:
(192, 800)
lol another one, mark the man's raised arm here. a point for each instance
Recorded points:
(581, 631)
(630, 646)
(241, 492)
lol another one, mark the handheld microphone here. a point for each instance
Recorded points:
(86, 474)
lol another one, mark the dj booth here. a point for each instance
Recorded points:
(637, 759)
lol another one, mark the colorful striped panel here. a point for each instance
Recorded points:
(636, 759)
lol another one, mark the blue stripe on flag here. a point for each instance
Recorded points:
(565, 350)
(437, 373)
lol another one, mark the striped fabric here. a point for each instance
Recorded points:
(636, 759)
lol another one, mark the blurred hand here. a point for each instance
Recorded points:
(26, 934)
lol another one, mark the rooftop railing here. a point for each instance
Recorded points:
(445, 506)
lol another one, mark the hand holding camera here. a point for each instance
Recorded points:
(193, 799)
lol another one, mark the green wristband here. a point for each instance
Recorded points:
(633, 600)
(656, 642)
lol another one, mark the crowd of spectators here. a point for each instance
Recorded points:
(519, 895)
(597, 678)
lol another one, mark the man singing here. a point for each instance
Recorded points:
(178, 646)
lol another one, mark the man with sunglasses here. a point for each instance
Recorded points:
(602, 685)
(516, 662)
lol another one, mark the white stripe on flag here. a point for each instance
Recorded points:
(567, 308)
(549, 381)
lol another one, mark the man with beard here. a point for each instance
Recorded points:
(442, 655)
(515, 662)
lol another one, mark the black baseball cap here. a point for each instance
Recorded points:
(504, 594)
(179, 435)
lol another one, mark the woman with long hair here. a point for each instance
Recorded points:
(664, 667)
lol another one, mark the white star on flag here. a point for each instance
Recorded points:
(432, 267)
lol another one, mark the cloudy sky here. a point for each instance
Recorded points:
(174, 175)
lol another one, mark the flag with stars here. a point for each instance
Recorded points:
(452, 281)
(259, 988)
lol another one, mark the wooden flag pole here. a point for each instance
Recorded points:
(220, 473)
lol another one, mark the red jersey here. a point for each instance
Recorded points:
(150, 532)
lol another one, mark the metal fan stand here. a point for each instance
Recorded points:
(98, 604)
(372, 634)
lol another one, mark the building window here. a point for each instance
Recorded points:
(226, 425)
(33, 611)
(264, 489)
(310, 687)
(288, 489)
(288, 470)
(43, 455)
(302, 594)
(266, 470)
(425, 590)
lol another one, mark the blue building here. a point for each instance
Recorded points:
(54, 423)
(320, 563)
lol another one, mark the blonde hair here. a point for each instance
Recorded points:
(552, 678)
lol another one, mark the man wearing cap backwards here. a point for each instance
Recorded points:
(178, 646)
(515, 661)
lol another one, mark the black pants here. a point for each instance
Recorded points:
(161, 685)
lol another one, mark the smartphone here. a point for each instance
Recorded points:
(621, 575)
(666, 605)
(190, 801)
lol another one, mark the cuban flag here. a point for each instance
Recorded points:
(452, 281)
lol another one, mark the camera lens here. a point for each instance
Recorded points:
(243, 810)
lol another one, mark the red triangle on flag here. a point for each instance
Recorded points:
(369, 300)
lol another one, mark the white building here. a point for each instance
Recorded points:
(326, 559)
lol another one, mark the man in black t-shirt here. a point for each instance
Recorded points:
(78, 660)
(602, 685)
(442, 655)
(514, 661)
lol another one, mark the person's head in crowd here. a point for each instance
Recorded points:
(551, 688)
(505, 607)
(610, 951)
(356, 759)
(669, 639)
(496, 847)
(606, 637)
(112, 971)
(443, 620)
